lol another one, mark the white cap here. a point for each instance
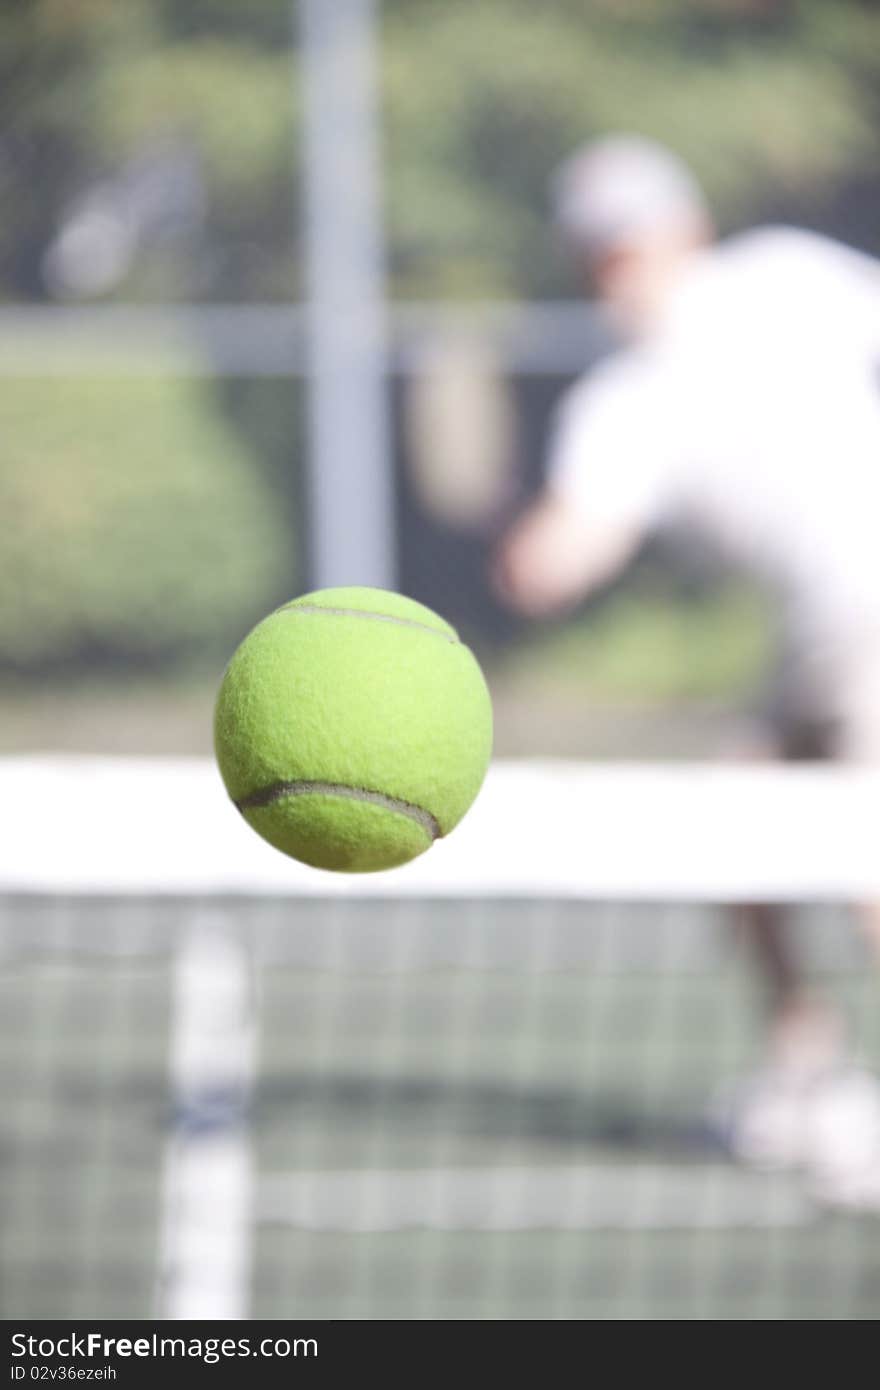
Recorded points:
(621, 186)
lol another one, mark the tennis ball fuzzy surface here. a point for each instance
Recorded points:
(352, 729)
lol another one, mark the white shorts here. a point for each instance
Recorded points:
(823, 700)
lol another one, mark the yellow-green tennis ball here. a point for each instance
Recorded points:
(353, 729)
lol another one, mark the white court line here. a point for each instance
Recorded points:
(206, 1218)
(583, 1198)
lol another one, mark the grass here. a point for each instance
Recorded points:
(649, 649)
(644, 675)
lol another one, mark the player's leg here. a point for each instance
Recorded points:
(844, 1141)
(813, 1104)
(804, 1030)
(765, 1117)
(860, 747)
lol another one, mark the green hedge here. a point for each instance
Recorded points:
(136, 526)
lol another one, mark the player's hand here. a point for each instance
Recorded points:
(553, 555)
(536, 568)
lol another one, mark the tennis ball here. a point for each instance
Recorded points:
(352, 729)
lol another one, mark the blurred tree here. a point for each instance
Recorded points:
(51, 54)
(149, 151)
(774, 104)
(133, 530)
(773, 101)
(92, 90)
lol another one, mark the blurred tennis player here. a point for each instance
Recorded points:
(746, 403)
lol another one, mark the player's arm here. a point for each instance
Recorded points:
(607, 478)
(554, 555)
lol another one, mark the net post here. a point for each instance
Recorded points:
(350, 483)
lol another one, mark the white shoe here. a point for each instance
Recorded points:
(763, 1120)
(843, 1142)
(828, 1125)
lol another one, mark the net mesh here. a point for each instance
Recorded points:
(384, 1108)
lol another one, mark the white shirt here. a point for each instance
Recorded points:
(753, 412)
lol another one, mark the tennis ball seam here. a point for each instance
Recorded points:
(265, 796)
(315, 609)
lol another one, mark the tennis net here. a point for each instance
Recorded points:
(479, 1087)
